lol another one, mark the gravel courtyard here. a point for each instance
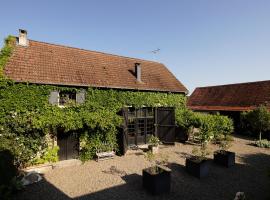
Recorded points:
(121, 178)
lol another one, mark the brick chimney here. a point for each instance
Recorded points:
(138, 72)
(23, 41)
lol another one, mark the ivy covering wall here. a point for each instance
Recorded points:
(27, 118)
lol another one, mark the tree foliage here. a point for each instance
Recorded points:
(211, 128)
(258, 120)
(6, 52)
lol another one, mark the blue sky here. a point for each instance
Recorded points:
(203, 42)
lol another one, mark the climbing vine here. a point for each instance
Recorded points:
(27, 118)
(6, 52)
(26, 114)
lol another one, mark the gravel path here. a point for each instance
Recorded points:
(120, 178)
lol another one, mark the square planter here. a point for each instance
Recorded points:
(157, 181)
(199, 169)
(224, 158)
(181, 135)
(154, 149)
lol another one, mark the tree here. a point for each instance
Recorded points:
(223, 127)
(259, 120)
(205, 124)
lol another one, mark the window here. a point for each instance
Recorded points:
(131, 127)
(140, 125)
(150, 126)
(131, 112)
(67, 97)
(64, 98)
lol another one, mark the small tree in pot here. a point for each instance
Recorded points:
(223, 129)
(157, 178)
(153, 144)
(198, 165)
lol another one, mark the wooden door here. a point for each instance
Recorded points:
(165, 124)
(141, 131)
(68, 146)
(138, 125)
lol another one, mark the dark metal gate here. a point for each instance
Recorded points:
(68, 145)
(165, 124)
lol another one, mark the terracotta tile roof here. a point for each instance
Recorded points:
(234, 97)
(45, 63)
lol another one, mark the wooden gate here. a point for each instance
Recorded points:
(165, 124)
(140, 124)
(68, 146)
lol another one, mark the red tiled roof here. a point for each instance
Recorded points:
(234, 97)
(45, 63)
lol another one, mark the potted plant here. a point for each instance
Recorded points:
(198, 164)
(157, 178)
(153, 144)
(223, 156)
(224, 127)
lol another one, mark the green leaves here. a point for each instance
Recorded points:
(258, 119)
(25, 113)
(153, 140)
(50, 156)
(211, 127)
(5, 53)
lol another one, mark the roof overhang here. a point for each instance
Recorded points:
(101, 86)
(222, 108)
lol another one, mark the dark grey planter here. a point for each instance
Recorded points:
(224, 158)
(199, 169)
(181, 135)
(157, 183)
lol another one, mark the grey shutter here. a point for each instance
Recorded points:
(53, 99)
(80, 97)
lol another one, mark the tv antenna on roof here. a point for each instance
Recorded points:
(154, 52)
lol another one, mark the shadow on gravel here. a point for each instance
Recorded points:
(249, 176)
(222, 183)
(183, 154)
(42, 190)
(139, 153)
(131, 190)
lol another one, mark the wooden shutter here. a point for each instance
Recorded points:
(80, 97)
(53, 99)
(165, 124)
(124, 145)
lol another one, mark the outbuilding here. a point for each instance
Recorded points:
(230, 99)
